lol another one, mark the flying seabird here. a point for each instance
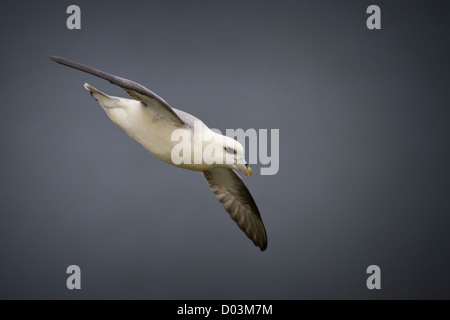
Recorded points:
(150, 121)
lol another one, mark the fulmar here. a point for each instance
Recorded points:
(150, 121)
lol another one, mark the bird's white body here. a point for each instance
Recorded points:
(140, 123)
(154, 132)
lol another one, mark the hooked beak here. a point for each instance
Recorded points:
(242, 165)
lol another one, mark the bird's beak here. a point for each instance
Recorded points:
(242, 165)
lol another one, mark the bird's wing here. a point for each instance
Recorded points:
(135, 90)
(231, 191)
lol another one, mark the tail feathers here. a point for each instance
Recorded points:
(102, 98)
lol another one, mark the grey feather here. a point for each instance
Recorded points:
(135, 90)
(231, 191)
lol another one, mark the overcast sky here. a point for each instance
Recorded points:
(363, 117)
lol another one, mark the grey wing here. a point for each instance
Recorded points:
(231, 191)
(135, 90)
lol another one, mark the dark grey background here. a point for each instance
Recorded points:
(364, 126)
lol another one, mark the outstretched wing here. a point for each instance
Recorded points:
(231, 191)
(135, 90)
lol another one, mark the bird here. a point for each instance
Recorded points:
(151, 121)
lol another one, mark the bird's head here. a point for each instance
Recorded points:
(233, 155)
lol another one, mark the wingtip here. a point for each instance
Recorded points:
(59, 60)
(263, 247)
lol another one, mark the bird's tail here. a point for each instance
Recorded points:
(102, 98)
